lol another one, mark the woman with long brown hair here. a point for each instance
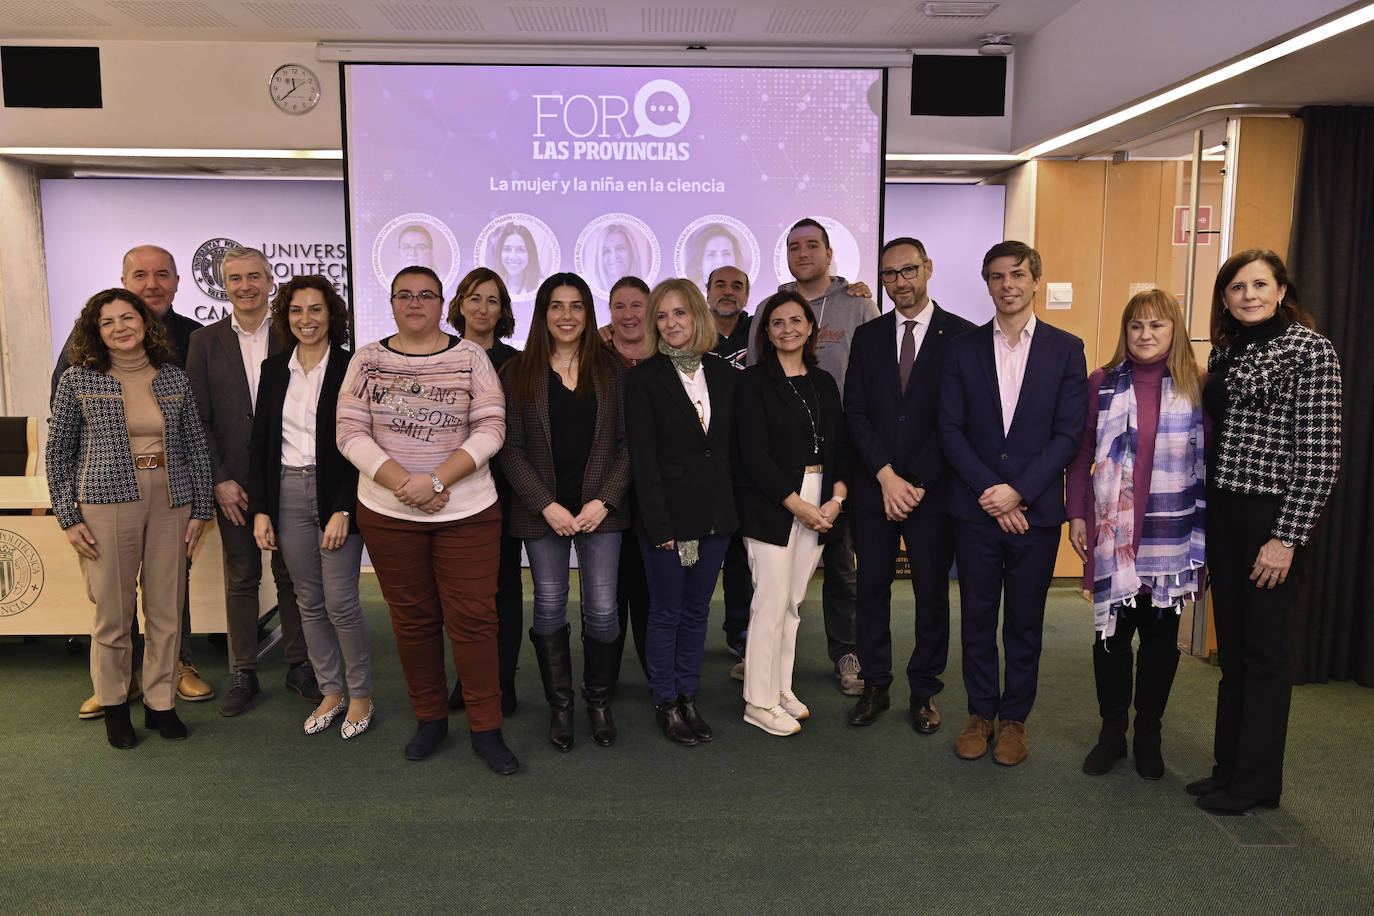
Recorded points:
(1135, 509)
(1274, 395)
(567, 463)
(129, 476)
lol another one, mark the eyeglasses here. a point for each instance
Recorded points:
(406, 295)
(910, 272)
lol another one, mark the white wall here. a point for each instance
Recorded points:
(908, 134)
(957, 224)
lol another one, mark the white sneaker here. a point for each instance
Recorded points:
(847, 673)
(775, 721)
(793, 706)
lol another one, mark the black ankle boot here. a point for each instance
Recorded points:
(426, 738)
(1112, 677)
(119, 731)
(555, 668)
(167, 723)
(688, 705)
(600, 659)
(674, 726)
(491, 747)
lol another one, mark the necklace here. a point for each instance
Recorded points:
(814, 418)
(407, 384)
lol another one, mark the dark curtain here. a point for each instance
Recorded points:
(1331, 255)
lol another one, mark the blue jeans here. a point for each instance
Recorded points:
(679, 604)
(598, 564)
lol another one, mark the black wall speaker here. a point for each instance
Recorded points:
(34, 77)
(958, 85)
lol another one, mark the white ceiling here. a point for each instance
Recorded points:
(1337, 71)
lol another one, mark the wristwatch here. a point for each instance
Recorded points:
(1289, 544)
(345, 513)
(438, 484)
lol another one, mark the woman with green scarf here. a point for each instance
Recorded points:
(679, 413)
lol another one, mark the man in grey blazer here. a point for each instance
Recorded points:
(224, 363)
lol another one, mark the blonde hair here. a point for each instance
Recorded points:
(1183, 367)
(704, 334)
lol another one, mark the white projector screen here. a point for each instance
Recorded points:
(604, 171)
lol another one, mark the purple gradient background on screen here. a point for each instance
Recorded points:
(431, 146)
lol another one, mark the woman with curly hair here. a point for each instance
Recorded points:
(303, 494)
(129, 476)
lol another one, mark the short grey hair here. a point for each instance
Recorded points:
(240, 254)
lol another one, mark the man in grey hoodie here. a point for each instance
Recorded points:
(837, 315)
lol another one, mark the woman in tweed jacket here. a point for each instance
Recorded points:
(129, 477)
(1274, 398)
(566, 460)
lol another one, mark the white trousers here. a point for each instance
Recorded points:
(780, 576)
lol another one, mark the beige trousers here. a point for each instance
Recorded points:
(140, 543)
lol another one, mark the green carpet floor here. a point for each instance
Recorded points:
(252, 816)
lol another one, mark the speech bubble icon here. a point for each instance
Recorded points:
(661, 109)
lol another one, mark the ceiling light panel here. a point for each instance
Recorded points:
(159, 15)
(306, 16)
(823, 21)
(47, 13)
(431, 17)
(946, 10)
(559, 20)
(687, 20)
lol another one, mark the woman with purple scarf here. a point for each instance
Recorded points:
(1136, 502)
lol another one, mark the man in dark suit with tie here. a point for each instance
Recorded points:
(224, 364)
(1011, 413)
(890, 399)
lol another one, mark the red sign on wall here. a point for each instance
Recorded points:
(1182, 224)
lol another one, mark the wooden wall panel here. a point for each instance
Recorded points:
(1130, 246)
(1267, 154)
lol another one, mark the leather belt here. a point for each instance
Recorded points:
(150, 462)
(814, 468)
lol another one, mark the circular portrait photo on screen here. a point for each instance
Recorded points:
(845, 259)
(712, 241)
(616, 245)
(522, 249)
(416, 240)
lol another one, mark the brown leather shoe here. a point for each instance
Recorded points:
(972, 742)
(1011, 744)
(91, 709)
(190, 687)
(924, 715)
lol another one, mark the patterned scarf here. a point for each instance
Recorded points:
(1171, 540)
(686, 361)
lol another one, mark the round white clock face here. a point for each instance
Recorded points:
(294, 88)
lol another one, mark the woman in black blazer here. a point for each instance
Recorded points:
(302, 493)
(679, 417)
(794, 458)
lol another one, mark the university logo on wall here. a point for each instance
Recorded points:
(206, 267)
(21, 573)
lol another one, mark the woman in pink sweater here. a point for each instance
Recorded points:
(1139, 478)
(420, 414)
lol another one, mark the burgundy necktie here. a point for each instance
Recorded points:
(907, 358)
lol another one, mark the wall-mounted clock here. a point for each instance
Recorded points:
(295, 89)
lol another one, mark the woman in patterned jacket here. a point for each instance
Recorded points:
(1274, 396)
(129, 476)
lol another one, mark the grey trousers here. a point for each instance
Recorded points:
(326, 584)
(242, 574)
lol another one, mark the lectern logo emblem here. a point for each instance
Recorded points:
(21, 573)
(205, 267)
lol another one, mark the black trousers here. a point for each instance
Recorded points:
(631, 601)
(738, 585)
(839, 589)
(1252, 625)
(930, 548)
(510, 607)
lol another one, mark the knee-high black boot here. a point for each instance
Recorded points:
(1156, 664)
(555, 667)
(1112, 673)
(599, 668)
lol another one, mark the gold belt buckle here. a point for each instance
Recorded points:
(147, 462)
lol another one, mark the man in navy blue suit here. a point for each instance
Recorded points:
(1011, 413)
(897, 491)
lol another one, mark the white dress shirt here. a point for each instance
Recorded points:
(299, 410)
(1011, 367)
(918, 330)
(698, 394)
(253, 349)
